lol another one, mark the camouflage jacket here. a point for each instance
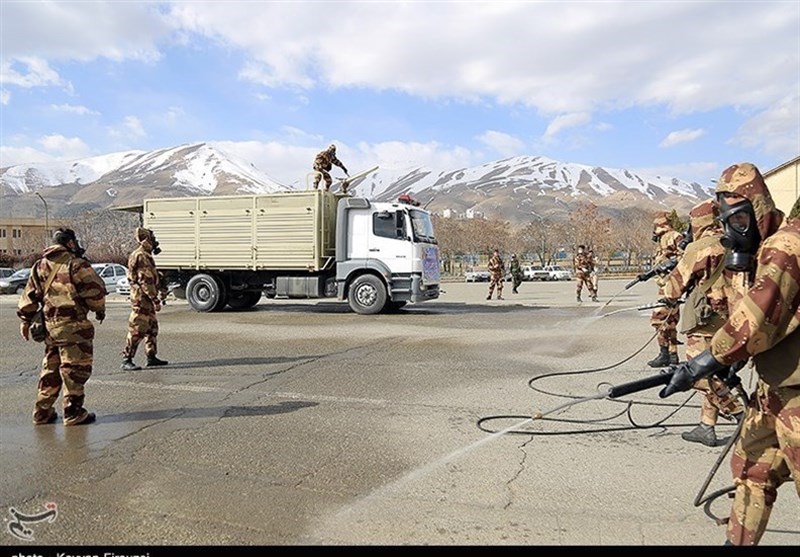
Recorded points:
(515, 268)
(583, 264)
(765, 323)
(75, 290)
(143, 278)
(496, 265)
(326, 159)
(668, 248)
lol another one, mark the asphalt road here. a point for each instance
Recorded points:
(301, 423)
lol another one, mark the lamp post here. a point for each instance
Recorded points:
(46, 218)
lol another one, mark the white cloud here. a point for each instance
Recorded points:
(82, 30)
(681, 136)
(130, 129)
(777, 128)
(5, 96)
(73, 109)
(64, 148)
(566, 121)
(12, 156)
(504, 144)
(29, 72)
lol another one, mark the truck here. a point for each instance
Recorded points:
(228, 251)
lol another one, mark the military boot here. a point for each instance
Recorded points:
(154, 361)
(128, 365)
(663, 358)
(673, 358)
(703, 433)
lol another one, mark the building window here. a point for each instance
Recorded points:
(16, 233)
(2, 233)
(18, 252)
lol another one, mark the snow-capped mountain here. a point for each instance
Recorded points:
(516, 189)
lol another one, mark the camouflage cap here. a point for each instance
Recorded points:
(745, 180)
(703, 216)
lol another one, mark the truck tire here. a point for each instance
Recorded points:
(243, 300)
(367, 295)
(205, 293)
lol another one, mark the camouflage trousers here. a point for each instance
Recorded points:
(765, 455)
(68, 366)
(583, 279)
(142, 325)
(322, 174)
(665, 321)
(717, 397)
(495, 281)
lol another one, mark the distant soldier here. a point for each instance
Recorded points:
(665, 319)
(323, 163)
(593, 275)
(700, 270)
(145, 301)
(497, 269)
(516, 273)
(583, 266)
(68, 288)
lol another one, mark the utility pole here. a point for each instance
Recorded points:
(46, 219)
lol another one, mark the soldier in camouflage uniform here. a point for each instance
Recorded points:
(763, 325)
(145, 302)
(74, 291)
(702, 261)
(323, 163)
(516, 273)
(583, 266)
(497, 268)
(665, 319)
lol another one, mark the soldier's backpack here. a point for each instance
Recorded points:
(697, 311)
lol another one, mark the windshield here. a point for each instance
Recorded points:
(22, 273)
(422, 226)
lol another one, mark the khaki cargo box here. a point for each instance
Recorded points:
(287, 231)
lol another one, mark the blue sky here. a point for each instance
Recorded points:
(680, 89)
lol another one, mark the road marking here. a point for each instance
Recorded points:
(331, 398)
(191, 388)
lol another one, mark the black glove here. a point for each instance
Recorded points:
(688, 373)
(100, 315)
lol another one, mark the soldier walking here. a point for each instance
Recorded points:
(516, 273)
(497, 269)
(145, 302)
(700, 271)
(323, 163)
(66, 286)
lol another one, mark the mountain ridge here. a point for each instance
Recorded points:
(518, 189)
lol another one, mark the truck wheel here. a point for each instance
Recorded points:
(205, 293)
(243, 300)
(367, 295)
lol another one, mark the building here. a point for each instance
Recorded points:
(784, 184)
(21, 236)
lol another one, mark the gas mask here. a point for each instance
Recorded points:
(740, 234)
(63, 236)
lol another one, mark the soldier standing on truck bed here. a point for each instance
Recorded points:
(323, 163)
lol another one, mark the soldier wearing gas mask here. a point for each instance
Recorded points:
(665, 319)
(68, 288)
(145, 301)
(764, 325)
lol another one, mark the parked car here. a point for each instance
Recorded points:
(110, 273)
(476, 276)
(6, 272)
(15, 283)
(548, 272)
(123, 286)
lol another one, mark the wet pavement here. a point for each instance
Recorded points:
(301, 423)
